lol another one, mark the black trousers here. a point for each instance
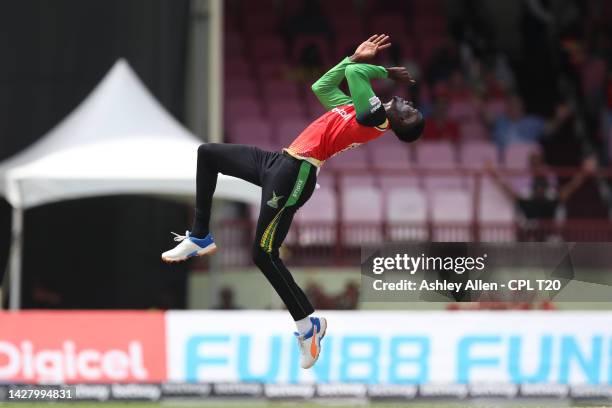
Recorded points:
(286, 184)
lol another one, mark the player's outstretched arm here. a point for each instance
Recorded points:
(326, 88)
(368, 107)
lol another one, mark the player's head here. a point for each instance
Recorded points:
(406, 122)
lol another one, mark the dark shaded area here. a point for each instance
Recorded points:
(102, 252)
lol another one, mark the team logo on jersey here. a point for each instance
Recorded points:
(273, 202)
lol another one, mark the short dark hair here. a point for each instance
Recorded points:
(411, 132)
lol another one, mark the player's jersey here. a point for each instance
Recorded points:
(332, 133)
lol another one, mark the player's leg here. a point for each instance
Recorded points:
(291, 184)
(213, 158)
(241, 161)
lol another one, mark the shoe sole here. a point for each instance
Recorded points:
(209, 250)
(324, 326)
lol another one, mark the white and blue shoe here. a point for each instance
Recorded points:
(310, 343)
(189, 247)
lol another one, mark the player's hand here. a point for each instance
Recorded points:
(369, 48)
(400, 75)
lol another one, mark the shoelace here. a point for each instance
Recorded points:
(179, 238)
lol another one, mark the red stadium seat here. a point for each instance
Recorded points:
(271, 69)
(269, 47)
(435, 155)
(389, 157)
(239, 88)
(348, 181)
(496, 214)
(429, 25)
(362, 213)
(353, 159)
(393, 25)
(236, 69)
(451, 214)
(393, 182)
(516, 156)
(474, 155)
(350, 23)
(241, 108)
(317, 219)
(406, 212)
(473, 131)
(461, 110)
(262, 23)
(287, 129)
(252, 131)
(273, 89)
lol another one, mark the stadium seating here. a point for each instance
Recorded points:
(495, 210)
(413, 184)
(362, 214)
(289, 128)
(388, 157)
(348, 181)
(473, 130)
(435, 155)
(240, 87)
(275, 89)
(285, 108)
(516, 156)
(317, 218)
(353, 159)
(452, 214)
(388, 183)
(253, 131)
(392, 24)
(474, 155)
(406, 212)
(243, 108)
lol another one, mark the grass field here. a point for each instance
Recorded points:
(262, 404)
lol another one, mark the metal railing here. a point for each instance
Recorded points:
(338, 242)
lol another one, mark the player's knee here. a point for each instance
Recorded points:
(260, 256)
(206, 150)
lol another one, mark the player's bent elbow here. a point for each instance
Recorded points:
(353, 71)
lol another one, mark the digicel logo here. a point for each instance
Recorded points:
(82, 347)
(69, 363)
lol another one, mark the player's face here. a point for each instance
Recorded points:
(400, 110)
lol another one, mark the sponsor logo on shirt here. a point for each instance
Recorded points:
(345, 115)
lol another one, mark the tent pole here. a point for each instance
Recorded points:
(215, 71)
(15, 259)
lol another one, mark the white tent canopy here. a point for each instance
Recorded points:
(120, 140)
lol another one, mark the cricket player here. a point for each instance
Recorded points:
(288, 178)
